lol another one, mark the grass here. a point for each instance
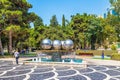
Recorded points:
(31, 54)
(99, 57)
(7, 55)
(102, 59)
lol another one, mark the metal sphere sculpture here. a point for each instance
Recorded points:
(68, 44)
(46, 44)
(57, 44)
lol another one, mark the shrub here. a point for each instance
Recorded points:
(113, 47)
(115, 56)
(85, 54)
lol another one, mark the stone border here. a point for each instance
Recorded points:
(83, 64)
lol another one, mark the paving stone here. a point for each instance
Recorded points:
(96, 76)
(51, 79)
(1, 72)
(41, 76)
(5, 68)
(14, 78)
(66, 73)
(118, 78)
(24, 67)
(99, 68)
(43, 66)
(91, 65)
(112, 72)
(85, 70)
(112, 79)
(38, 70)
(12, 73)
(62, 68)
(77, 77)
(111, 67)
(118, 69)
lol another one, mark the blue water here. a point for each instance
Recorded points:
(65, 60)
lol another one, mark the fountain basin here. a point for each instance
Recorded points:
(64, 62)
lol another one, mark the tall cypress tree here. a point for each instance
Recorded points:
(53, 21)
(63, 21)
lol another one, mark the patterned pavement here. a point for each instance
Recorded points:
(9, 71)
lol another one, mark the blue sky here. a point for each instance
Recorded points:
(47, 8)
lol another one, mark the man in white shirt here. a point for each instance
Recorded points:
(16, 54)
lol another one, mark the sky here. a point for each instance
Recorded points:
(47, 8)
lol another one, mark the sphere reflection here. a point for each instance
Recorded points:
(69, 44)
(57, 44)
(46, 44)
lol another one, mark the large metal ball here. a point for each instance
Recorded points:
(46, 44)
(63, 44)
(69, 44)
(57, 44)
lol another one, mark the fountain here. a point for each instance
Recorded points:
(57, 57)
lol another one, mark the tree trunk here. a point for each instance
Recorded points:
(93, 40)
(10, 41)
(84, 43)
(1, 47)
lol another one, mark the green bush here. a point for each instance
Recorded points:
(115, 56)
(113, 47)
(7, 55)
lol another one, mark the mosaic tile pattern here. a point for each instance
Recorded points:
(9, 71)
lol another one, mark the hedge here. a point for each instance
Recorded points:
(115, 56)
(97, 52)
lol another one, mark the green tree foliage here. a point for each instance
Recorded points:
(63, 21)
(15, 13)
(79, 24)
(53, 21)
(115, 19)
(90, 30)
(38, 22)
(116, 6)
(87, 31)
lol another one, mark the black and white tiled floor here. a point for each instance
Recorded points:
(8, 71)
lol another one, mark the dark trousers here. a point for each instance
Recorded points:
(17, 60)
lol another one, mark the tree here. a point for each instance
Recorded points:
(63, 21)
(53, 21)
(1, 47)
(115, 6)
(91, 31)
(16, 14)
(38, 22)
(4, 4)
(79, 24)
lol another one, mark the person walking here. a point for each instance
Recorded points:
(102, 55)
(16, 54)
